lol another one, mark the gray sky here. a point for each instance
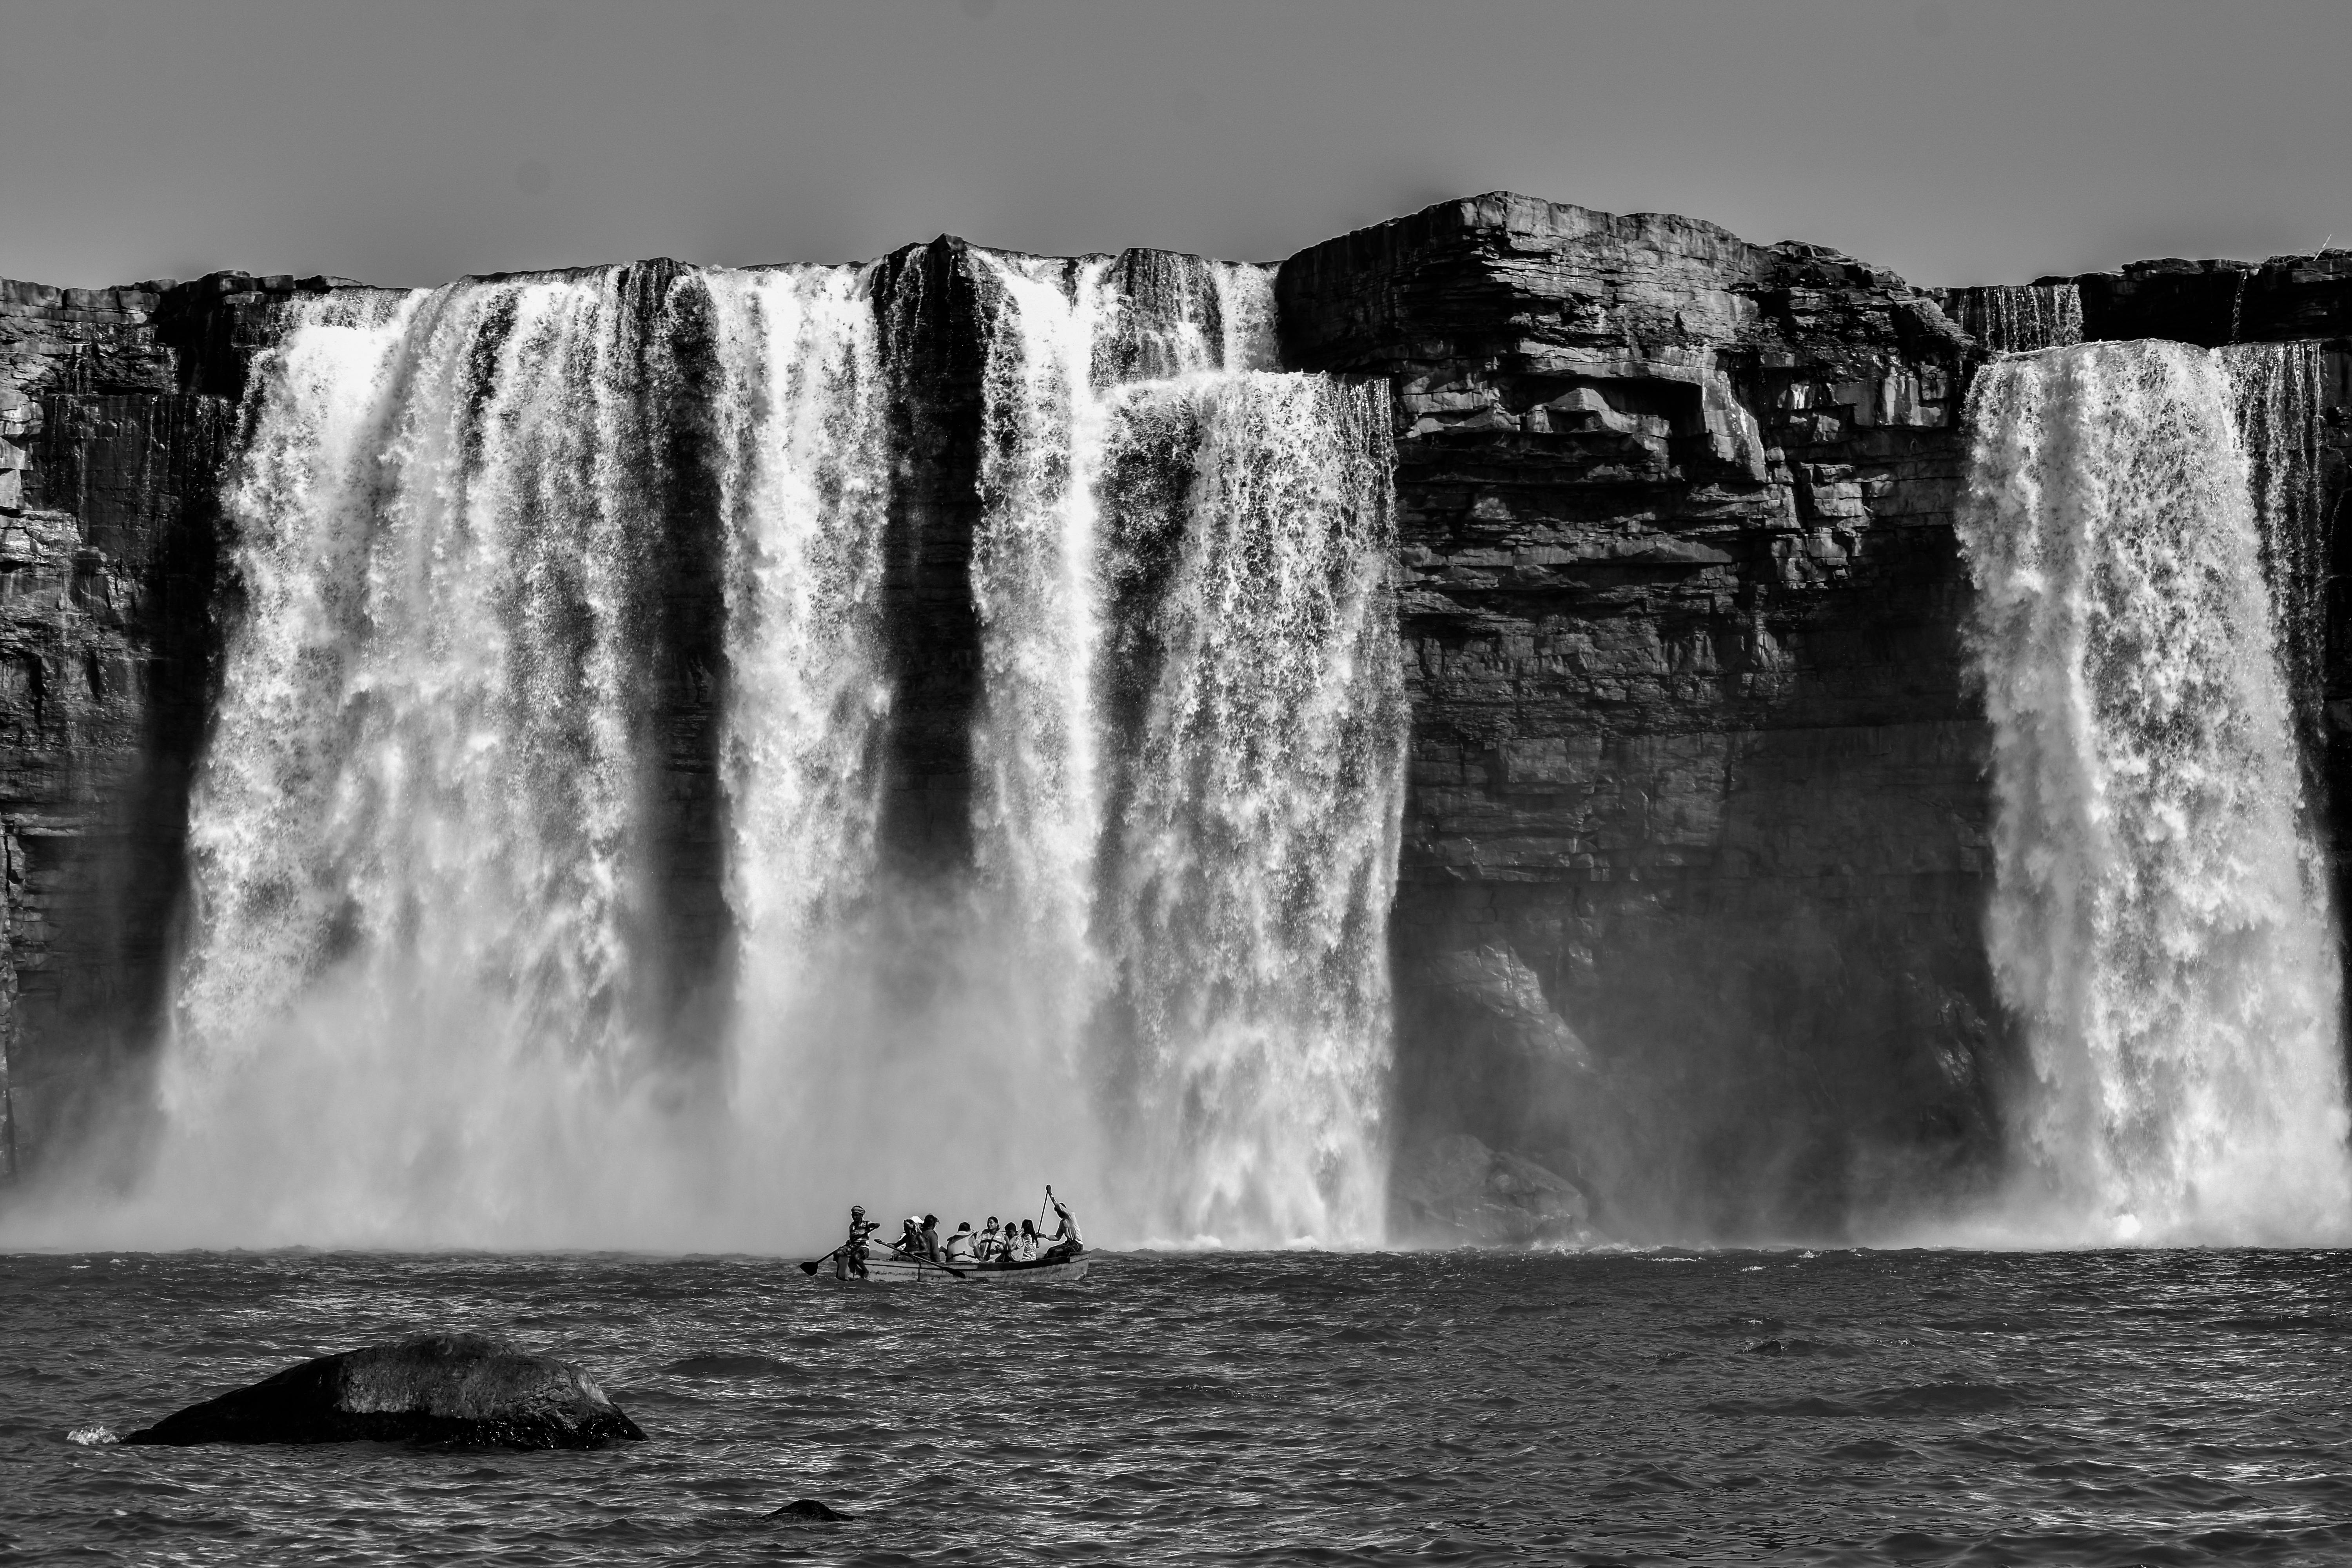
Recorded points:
(411, 141)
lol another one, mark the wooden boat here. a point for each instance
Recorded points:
(884, 1267)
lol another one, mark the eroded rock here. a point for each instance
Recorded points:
(434, 1388)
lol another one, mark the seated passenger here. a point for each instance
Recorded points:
(909, 1244)
(958, 1248)
(932, 1237)
(990, 1244)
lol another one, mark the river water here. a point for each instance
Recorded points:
(1850, 1407)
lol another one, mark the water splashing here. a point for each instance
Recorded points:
(2160, 925)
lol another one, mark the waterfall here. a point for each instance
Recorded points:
(415, 840)
(1191, 820)
(1062, 336)
(804, 468)
(537, 892)
(1254, 855)
(2019, 318)
(1036, 746)
(2278, 395)
(2161, 923)
(425, 995)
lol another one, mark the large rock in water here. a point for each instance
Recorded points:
(434, 1388)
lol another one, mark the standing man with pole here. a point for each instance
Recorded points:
(1066, 1239)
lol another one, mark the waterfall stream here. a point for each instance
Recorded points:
(420, 958)
(2160, 926)
(2019, 318)
(2277, 395)
(804, 499)
(1254, 850)
(1189, 754)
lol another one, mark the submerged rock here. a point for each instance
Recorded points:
(434, 1388)
(808, 1507)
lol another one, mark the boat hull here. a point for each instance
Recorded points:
(889, 1270)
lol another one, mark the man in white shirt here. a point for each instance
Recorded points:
(1067, 1233)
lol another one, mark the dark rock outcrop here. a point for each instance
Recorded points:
(2215, 303)
(1691, 735)
(810, 1509)
(117, 407)
(434, 1388)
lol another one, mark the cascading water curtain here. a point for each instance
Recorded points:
(1190, 772)
(2019, 318)
(1255, 852)
(2161, 925)
(422, 1002)
(804, 490)
(414, 839)
(2279, 398)
(1036, 747)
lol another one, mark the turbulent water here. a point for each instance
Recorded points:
(2160, 925)
(2098, 1409)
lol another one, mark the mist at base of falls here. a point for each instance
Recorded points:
(448, 980)
(2161, 929)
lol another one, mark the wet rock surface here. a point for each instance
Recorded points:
(1693, 763)
(1454, 1189)
(435, 1388)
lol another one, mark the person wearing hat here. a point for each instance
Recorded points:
(853, 1251)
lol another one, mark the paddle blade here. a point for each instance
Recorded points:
(808, 1267)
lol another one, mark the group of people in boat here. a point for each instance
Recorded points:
(919, 1240)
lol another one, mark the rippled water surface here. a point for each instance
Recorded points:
(1850, 1407)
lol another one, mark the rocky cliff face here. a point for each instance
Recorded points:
(1694, 769)
(1695, 852)
(116, 407)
